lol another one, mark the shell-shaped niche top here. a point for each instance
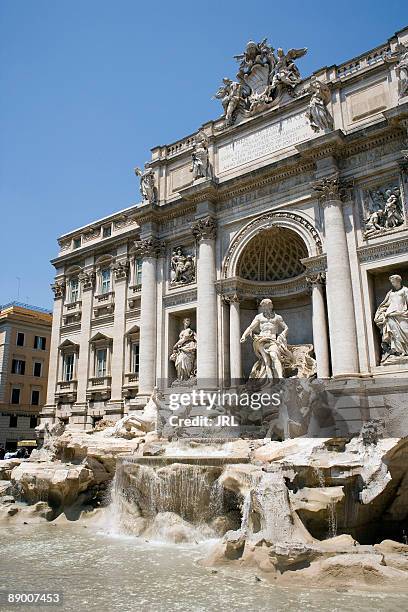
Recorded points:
(273, 255)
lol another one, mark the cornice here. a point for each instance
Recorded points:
(242, 288)
(382, 250)
(95, 247)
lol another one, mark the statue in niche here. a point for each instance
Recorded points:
(384, 211)
(400, 55)
(147, 185)
(392, 319)
(317, 113)
(182, 267)
(184, 354)
(200, 163)
(276, 359)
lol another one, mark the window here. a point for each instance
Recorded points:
(18, 366)
(105, 280)
(76, 243)
(13, 420)
(20, 339)
(69, 366)
(138, 272)
(33, 421)
(35, 397)
(37, 368)
(73, 290)
(100, 370)
(39, 343)
(15, 395)
(135, 358)
(107, 231)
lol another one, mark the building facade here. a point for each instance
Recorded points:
(297, 193)
(25, 336)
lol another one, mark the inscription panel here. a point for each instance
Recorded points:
(270, 139)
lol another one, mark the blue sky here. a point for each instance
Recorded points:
(88, 87)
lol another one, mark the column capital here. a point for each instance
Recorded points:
(205, 228)
(315, 278)
(331, 189)
(59, 289)
(232, 298)
(148, 247)
(121, 269)
(87, 279)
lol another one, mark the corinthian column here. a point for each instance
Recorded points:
(204, 231)
(319, 323)
(342, 324)
(235, 337)
(148, 250)
(120, 270)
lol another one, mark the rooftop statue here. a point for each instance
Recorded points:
(400, 55)
(317, 113)
(147, 184)
(262, 79)
(200, 163)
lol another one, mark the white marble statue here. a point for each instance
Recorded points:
(200, 163)
(137, 424)
(230, 94)
(400, 55)
(392, 319)
(147, 184)
(185, 352)
(270, 343)
(317, 113)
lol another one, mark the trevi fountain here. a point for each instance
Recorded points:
(226, 419)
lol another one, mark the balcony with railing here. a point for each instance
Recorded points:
(66, 390)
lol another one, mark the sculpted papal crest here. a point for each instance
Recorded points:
(262, 80)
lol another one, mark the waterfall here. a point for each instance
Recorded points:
(331, 508)
(146, 499)
(246, 507)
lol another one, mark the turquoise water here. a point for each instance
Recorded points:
(95, 571)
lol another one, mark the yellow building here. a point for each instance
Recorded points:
(25, 333)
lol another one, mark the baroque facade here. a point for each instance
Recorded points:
(298, 194)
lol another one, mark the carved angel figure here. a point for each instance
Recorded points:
(182, 267)
(200, 164)
(317, 113)
(400, 55)
(286, 72)
(230, 95)
(147, 184)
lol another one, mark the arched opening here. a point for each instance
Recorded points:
(270, 266)
(274, 254)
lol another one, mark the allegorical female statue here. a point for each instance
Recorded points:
(185, 352)
(270, 343)
(392, 319)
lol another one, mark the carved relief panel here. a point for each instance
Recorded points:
(383, 209)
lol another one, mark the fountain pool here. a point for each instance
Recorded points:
(96, 571)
